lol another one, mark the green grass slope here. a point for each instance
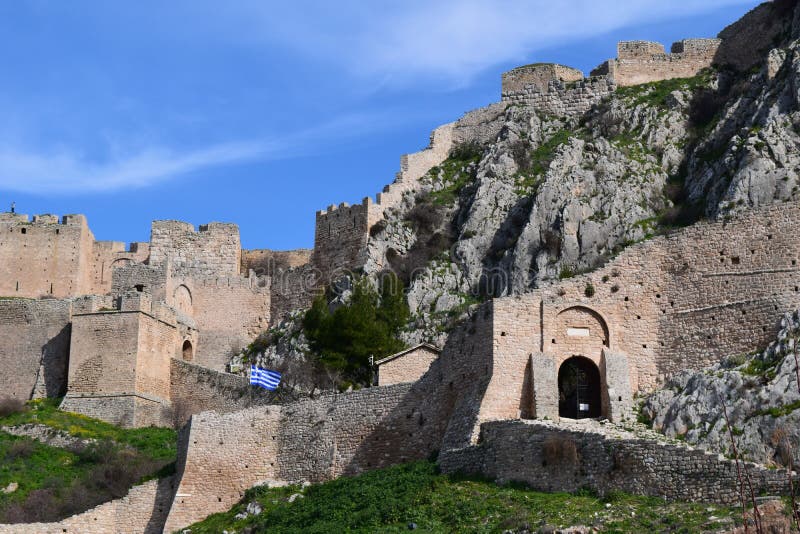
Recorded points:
(389, 500)
(55, 483)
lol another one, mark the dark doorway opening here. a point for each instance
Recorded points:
(188, 353)
(578, 389)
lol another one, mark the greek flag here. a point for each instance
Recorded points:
(264, 378)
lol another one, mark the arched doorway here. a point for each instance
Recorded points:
(579, 389)
(188, 352)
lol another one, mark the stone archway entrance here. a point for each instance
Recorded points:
(579, 389)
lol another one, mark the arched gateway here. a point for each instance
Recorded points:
(579, 389)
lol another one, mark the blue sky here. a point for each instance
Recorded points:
(260, 113)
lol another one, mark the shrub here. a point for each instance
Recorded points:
(22, 448)
(368, 325)
(11, 406)
(589, 291)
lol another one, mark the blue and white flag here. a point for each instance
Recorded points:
(264, 378)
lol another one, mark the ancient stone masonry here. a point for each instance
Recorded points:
(120, 363)
(551, 457)
(34, 347)
(407, 366)
(215, 249)
(640, 62)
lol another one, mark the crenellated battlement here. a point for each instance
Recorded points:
(640, 62)
(43, 219)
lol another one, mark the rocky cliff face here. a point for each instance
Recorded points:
(761, 394)
(554, 195)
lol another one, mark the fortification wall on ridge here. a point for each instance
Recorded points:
(562, 98)
(214, 249)
(340, 238)
(142, 511)
(34, 347)
(641, 62)
(538, 76)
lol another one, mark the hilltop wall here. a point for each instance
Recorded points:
(340, 239)
(561, 98)
(538, 75)
(34, 347)
(640, 62)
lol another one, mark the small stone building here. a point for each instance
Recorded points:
(406, 366)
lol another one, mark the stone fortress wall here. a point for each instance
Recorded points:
(640, 62)
(34, 347)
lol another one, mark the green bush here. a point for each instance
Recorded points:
(368, 325)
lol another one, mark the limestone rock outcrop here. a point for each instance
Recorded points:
(761, 394)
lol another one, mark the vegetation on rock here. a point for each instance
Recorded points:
(367, 325)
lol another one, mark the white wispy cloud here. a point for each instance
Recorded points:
(68, 170)
(448, 40)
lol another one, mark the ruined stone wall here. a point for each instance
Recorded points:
(549, 458)
(34, 347)
(563, 98)
(313, 440)
(142, 511)
(271, 262)
(409, 367)
(45, 257)
(107, 256)
(214, 249)
(642, 61)
(538, 75)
